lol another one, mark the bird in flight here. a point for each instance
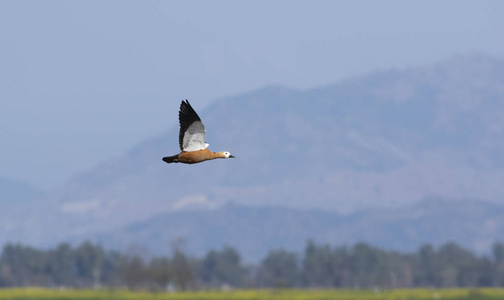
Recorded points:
(193, 148)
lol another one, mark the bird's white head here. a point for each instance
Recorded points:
(226, 154)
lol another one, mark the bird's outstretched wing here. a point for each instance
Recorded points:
(192, 130)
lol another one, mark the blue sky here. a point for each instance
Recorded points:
(81, 82)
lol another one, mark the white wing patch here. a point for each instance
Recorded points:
(194, 137)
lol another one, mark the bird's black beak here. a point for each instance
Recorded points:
(231, 156)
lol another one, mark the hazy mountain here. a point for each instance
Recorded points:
(16, 192)
(381, 141)
(16, 200)
(256, 230)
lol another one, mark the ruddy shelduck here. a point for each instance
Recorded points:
(193, 148)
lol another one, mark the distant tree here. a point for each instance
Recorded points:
(498, 259)
(25, 266)
(158, 273)
(223, 267)
(374, 267)
(498, 252)
(457, 265)
(406, 279)
(62, 265)
(89, 260)
(279, 269)
(181, 270)
(425, 265)
(133, 272)
(319, 266)
(111, 268)
(343, 277)
(486, 272)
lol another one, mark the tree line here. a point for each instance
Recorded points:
(320, 265)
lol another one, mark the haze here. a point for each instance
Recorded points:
(82, 82)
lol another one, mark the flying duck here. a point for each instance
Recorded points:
(193, 148)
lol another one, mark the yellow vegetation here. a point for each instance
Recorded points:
(260, 294)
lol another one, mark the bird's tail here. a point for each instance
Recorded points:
(171, 159)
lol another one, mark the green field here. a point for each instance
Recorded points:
(294, 294)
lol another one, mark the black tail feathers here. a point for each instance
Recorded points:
(171, 159)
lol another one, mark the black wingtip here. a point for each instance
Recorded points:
(186, 111)
(185, 105)
(187, 116)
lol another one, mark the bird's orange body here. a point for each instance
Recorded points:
(194, 157)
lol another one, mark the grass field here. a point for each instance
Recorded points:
(294, 294)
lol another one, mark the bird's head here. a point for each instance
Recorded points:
(226, 154)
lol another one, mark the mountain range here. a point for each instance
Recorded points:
(254, 231)
(355, 159)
